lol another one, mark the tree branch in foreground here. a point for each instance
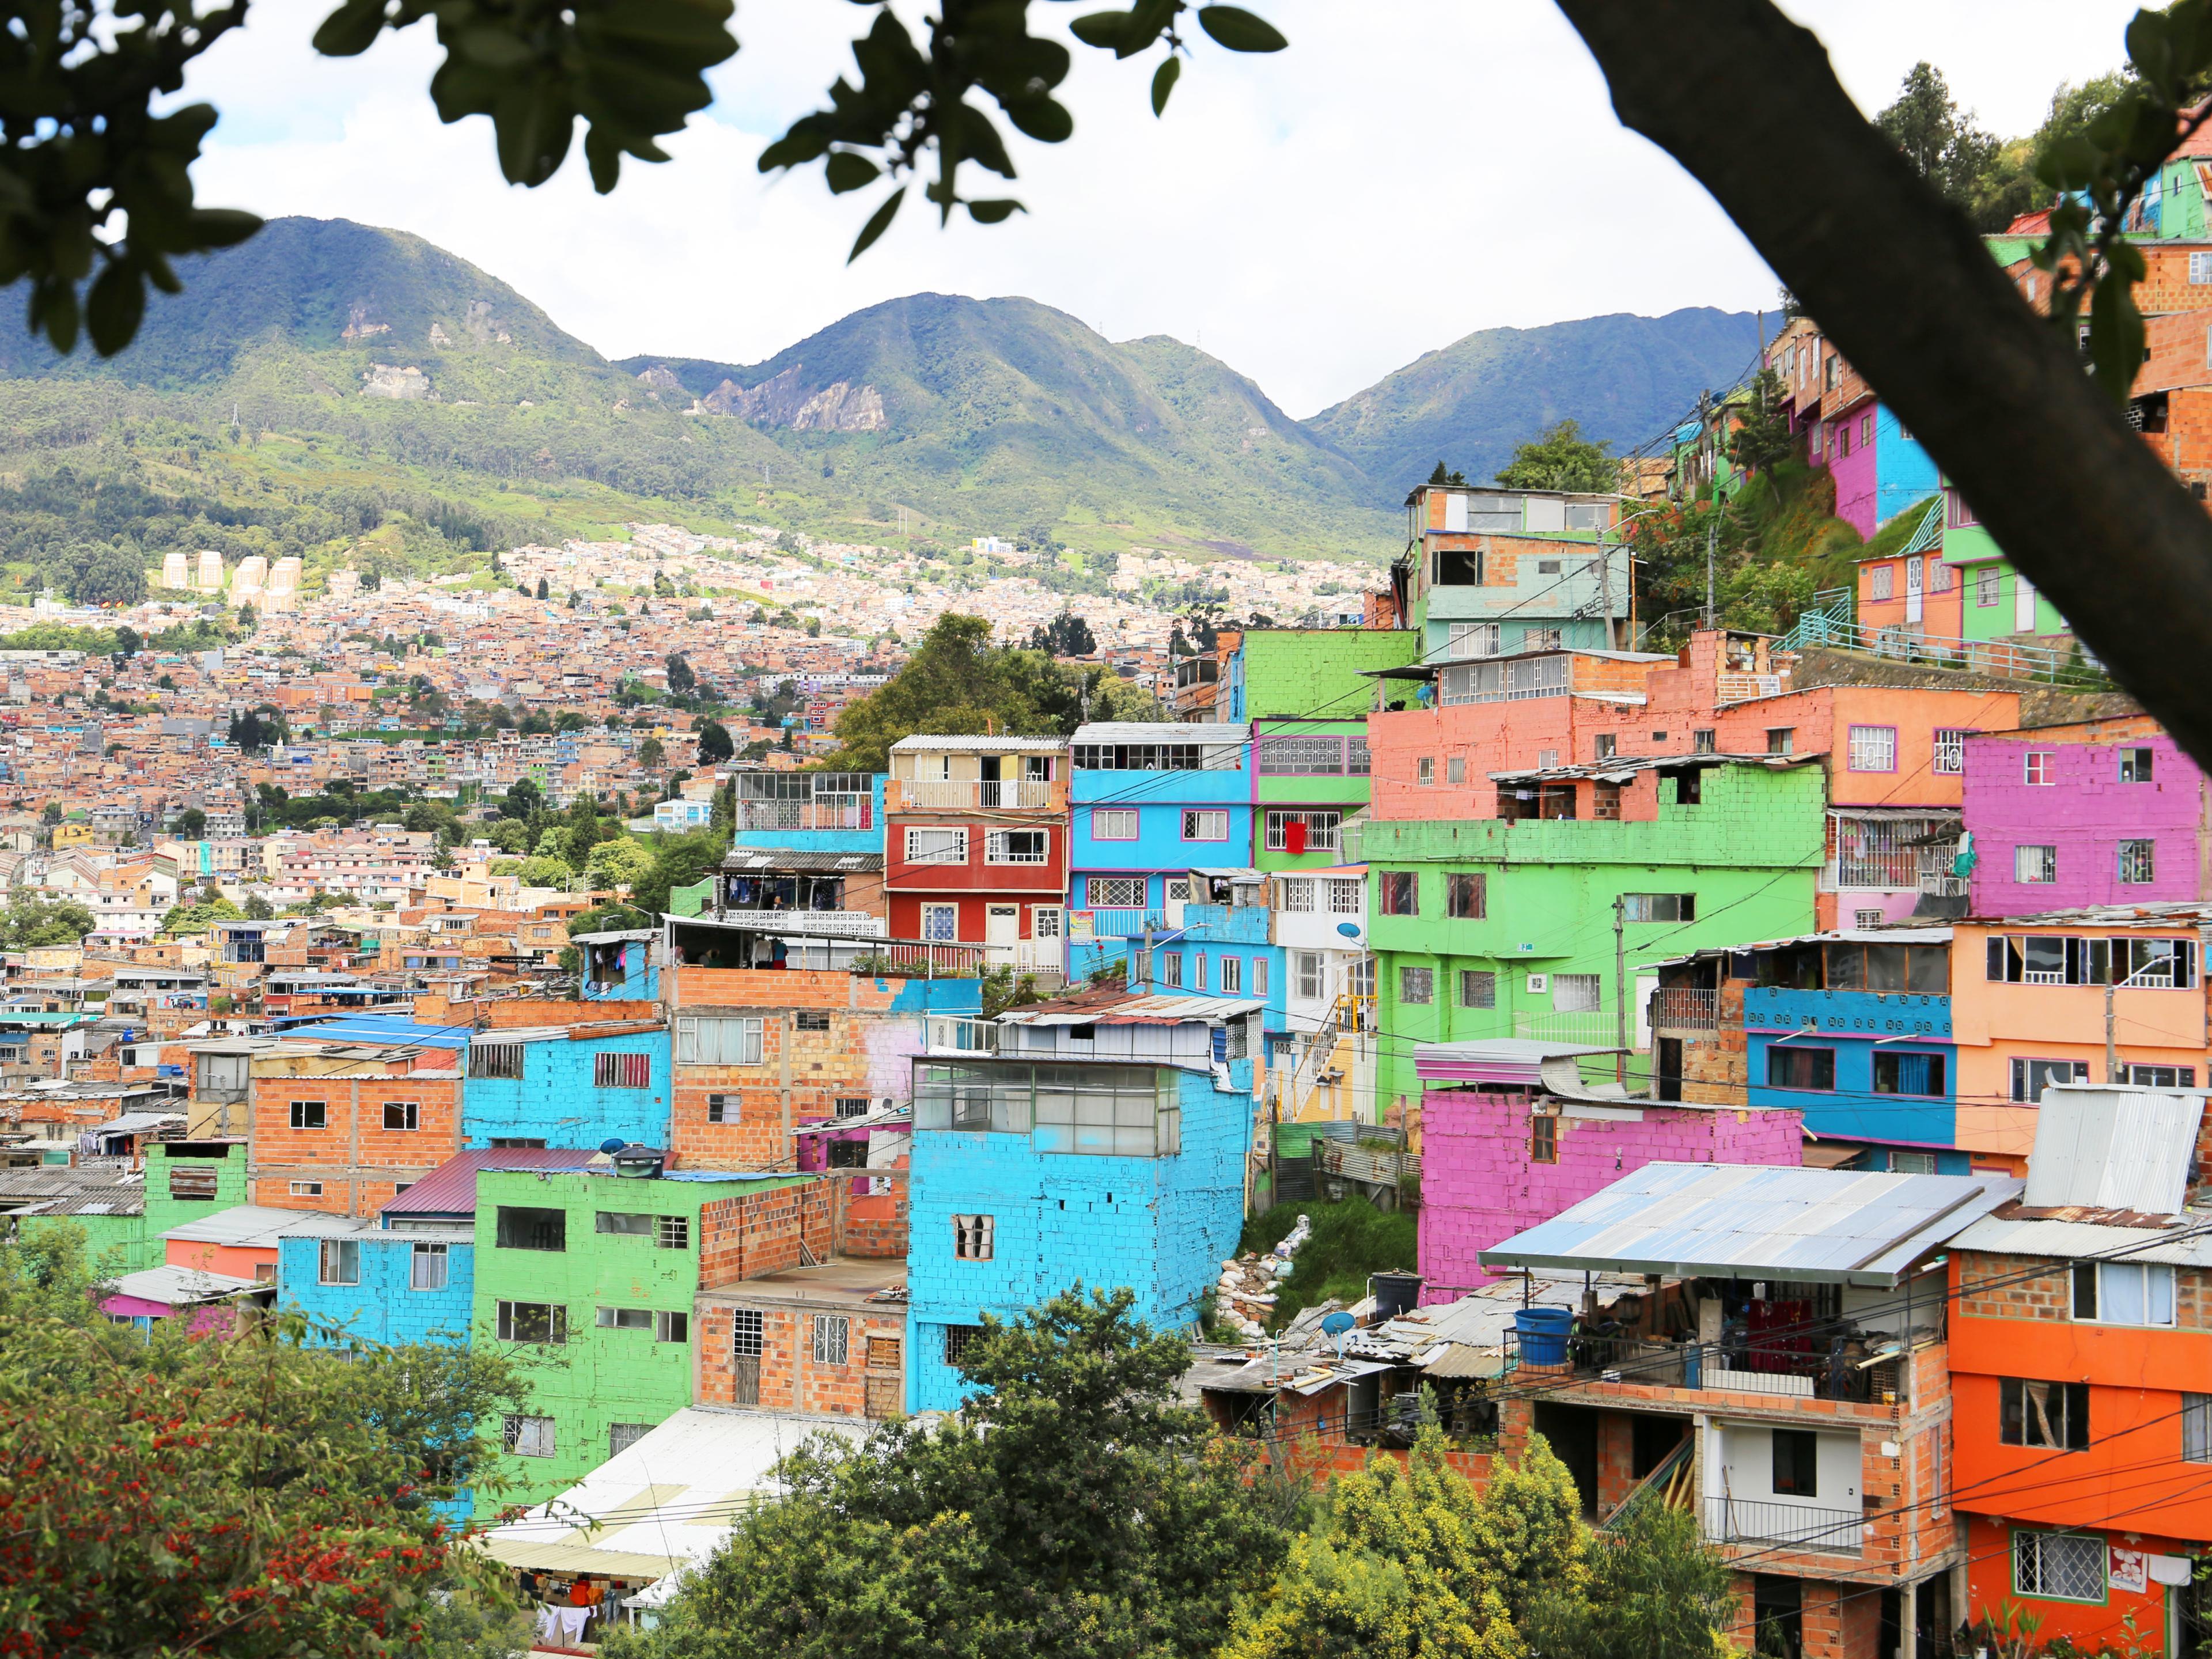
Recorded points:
(1746, 101)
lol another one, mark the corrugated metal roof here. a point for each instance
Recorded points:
(746, 858)
(2113, 1148)
(258, 1226)
(374, 1029)
(133, 1123)
(2185, 1247)
(451, 1188)
(1494, 1059)
(1824, 1225)
(177, 1287)
(1133, 1011)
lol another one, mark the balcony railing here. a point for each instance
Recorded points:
(1779, 1369)
(964, 794)
(905, 959)
(1125, 924)
(823, 813)
(1031, 956)
(944, 1034)
(1685, 1008)
(1798, 1526)
(851, 924)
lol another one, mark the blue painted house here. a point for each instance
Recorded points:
(810, 811)
(1851, 1028)
(1151, 802)
(1103, 1143)
(1222, 949)
(568, 1085)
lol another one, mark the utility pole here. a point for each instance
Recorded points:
(2111, 1047)
(1620, 988)
(1712, 525)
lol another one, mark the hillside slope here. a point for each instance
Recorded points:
(1621, 377)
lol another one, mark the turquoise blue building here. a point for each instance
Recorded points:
(621, 966)
(394, 1288)
(1151, 802)
(1103, 1144)
(568, 1087)
(810, 811)
(1224, 949)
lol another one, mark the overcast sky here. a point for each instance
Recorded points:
(1408, 171)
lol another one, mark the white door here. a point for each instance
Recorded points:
(1176, 891)
(2023, 605)
(1002, 929)
(1912, 589)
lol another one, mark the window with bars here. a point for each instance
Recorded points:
(1205, 825)
(1882, 582)
(1478, 987)
(1471, 639)
(622, 1071)
(1301, 757)
(621, 1436)
(1949, 755)
(1873, 748)
(1232, 975)
(672, 1232)
(937, 847)
(852, 1105)
(1115, 892)
(2137, 862)
(710, 1040)
(1881, 854)
(496, 1059)
(1297, 894)
(810, 1019)
(1347, 896)
(1577, 993)
(1317, 831)
(2035, 866)
(748, 1334)
(956, 1339)
(1417, 986)
(832, 1338)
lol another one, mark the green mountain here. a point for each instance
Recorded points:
(1622, 378)
(355, 395)
(965, 408)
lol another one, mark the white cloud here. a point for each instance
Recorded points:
(1402, 176)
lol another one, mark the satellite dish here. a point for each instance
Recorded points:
(1349, 929)
(1335, 1325)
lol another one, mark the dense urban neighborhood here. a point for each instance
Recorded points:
(1628, 1077)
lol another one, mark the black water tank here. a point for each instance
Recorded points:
(1393, 1293)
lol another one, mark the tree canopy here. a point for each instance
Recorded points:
(1073, 1510)
(1560, 458)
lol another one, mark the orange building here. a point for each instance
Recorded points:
(2080, 1347)
(2106, 993)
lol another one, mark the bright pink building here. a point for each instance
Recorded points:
(2104, 813)
(1511, 1136)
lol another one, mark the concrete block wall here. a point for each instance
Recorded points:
(1160, 1226)
(358, 1161)
(383, 1307)
(556, 1101)
(2084, 815)
(765, 1232)
(1479, 1185)
(791, 1378)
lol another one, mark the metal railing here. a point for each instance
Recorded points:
(905, 959)
(1045, 956)
(1685, 1008)
(823, 813)
(955, 794)
(1125, 923)
(1743, 1521)
(1596, 1029)
(854, 924)
(1781, 1370)
(2004, 658)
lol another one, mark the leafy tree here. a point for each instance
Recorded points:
(1655, 1591)
(246, 732)
(509, 836)
(128, 642)
(259, 909)
(105, 574)
(1763, 439)
(1073, 1510)
(543, 591)
(191, 824)
(681, 679)
(1944, 144)
(568, 720)
(544, 871)
(1560, 458)
(254, 1498)
(714, 743)
(956, 682)
(28, 923)
(618, 863)
(1441, 475)
(651, 754)
(198, 918)
(1409, 1561)
(523, 799)
(1065, 636)
(679, 860)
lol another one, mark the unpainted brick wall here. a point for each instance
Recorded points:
(792, 1377)
(769, 1233)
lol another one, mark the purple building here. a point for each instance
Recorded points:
(1511, 1136)
(2104, 813)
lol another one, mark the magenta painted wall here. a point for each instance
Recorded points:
(1858, 496)
(2085, 814)
(1479, 1187)
(204, 1318)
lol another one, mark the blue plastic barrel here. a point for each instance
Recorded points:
(1543, 1333)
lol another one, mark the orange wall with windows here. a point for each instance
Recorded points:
(358, 1160)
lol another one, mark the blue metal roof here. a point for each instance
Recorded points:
(1721, 1220)
(373, 1030)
